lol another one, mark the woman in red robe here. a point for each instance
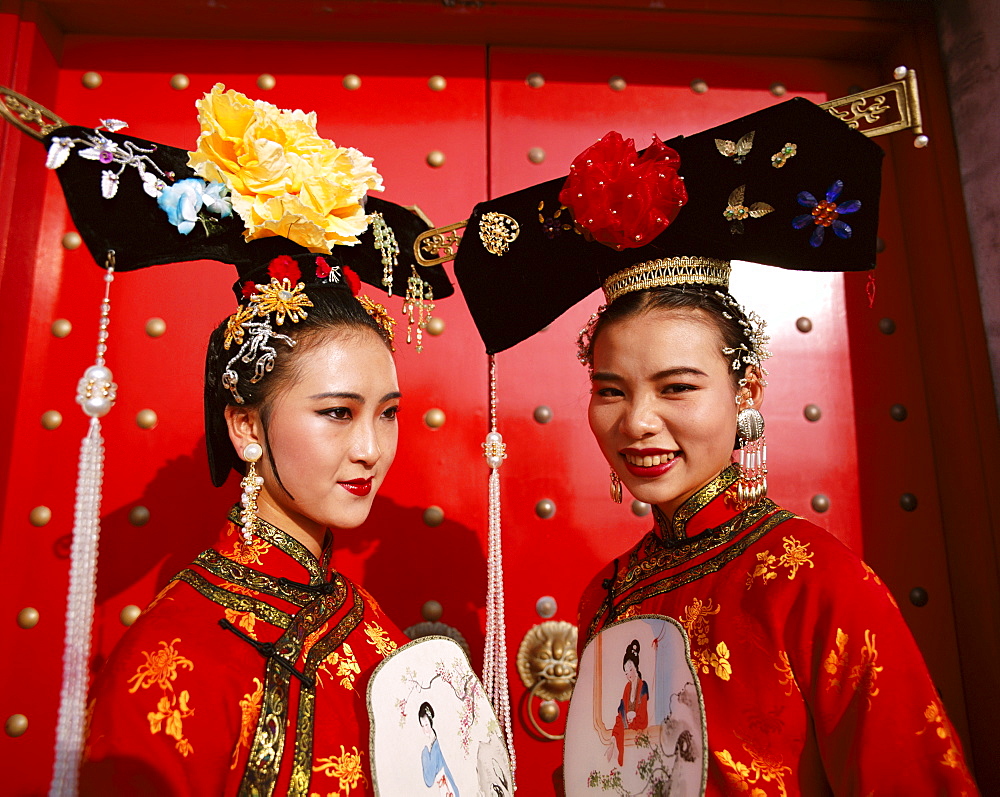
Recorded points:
(632, 710)
(811, 682)
(247, 674)
(783, 665)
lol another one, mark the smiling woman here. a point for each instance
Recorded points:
(800, 682)
(664, 415)
(774, 661)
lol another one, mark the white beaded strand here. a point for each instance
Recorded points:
(495, 653)
(96, 395)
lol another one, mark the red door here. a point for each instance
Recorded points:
(501, 118)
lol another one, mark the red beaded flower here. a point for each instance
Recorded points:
(322, 268)
(621, 198)
(283, 267)
(249, 289)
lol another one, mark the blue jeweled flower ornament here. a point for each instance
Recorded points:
(825, 213)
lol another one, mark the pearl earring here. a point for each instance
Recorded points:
(251, 485)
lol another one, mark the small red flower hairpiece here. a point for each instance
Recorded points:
(621, 198)
(353, 281)
(322, 268)
(249, 289)
(284, 267)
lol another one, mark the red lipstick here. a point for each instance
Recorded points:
(358, 487)
(653, 470)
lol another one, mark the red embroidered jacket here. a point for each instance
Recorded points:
(811, 680)
(247, 674)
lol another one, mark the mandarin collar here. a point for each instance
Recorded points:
(318, 571)
(709, 508)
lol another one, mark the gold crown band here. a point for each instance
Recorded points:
(667, 271)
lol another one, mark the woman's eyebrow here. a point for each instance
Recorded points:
(354, 396)
(391, 396)
(682, 370)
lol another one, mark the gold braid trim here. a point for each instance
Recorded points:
(667, 271)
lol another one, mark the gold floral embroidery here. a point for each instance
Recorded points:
(764, 569)
(763, 767)
(249, 711)
(864, 674)
(347, 666)
(372, 603)
(870, 574)
(784, 667)
(379, 637)
(174, 710)
(244, 620)
(836, 661)
(794, 557)
(934, 714)
(248, 553)
(695, 622)
(161, 595)
(160, 668)
(346, 768)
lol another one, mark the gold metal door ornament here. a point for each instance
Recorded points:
(546, 662)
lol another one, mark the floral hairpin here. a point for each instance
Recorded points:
(250, 326)
(752, 356)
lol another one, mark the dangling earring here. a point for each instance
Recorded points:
(752, 484)
(251, 485)
(616, 487)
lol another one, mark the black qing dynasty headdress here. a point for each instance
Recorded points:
(263, 192)
(790, 186)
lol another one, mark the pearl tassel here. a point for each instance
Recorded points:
(96, 395)
(495, 653)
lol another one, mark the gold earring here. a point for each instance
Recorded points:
(616, 487)
(251, 485)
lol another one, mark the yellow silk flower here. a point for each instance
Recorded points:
(284, 178)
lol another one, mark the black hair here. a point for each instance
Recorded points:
(632, 655)
(426, 710)
(333, 307)
(721, 309)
